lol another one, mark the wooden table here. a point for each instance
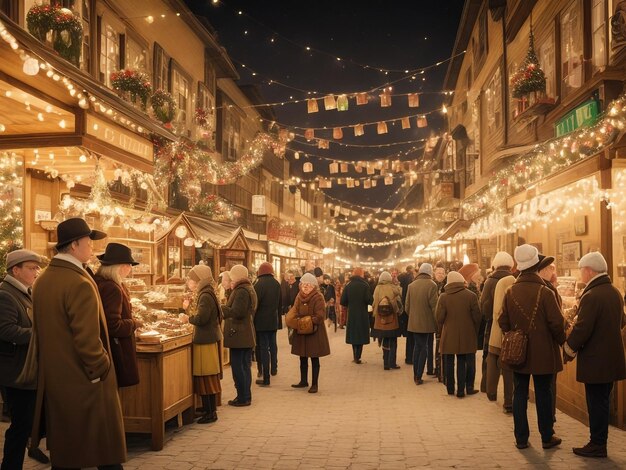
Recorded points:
(165, 388)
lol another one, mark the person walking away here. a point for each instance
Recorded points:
(597, 343)
(16, 327)
(458, 319)
(356, 297)
(76, 379)
(474, 279)
(314, 345)
(266, 321)
(386, 308)
(239, 332)
(421, 303)
(405, 279)
(205, 314)
(116, 264)
(530, 306)
(494, 365)
(329, 298)
(439, 276)
(502, 263)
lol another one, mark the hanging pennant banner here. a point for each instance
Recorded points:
(329, 102)
(309, 134)
(325, 184)
(307, 167)
(311, 105)
(382, 127)
(322, 144)
(359, 130)
(367, 184)
(342, 103)
(343, 167)
(388, 180)
(357, 183)
(385, 99)
(350, 183)
(361, 98)
(333, 168)
(337, 133)
(370, 169)
(422, 122)
(406, 123)
(358, 167)
(414, 100)
(374, 183)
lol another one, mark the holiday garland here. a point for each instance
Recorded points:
(204, 118)
(530, 77)
(215, 207)
(163, 105)
(134, 82)
(66, 28)
(11, 228)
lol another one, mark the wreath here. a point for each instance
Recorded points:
(134, 82)
(163, 105)
(67, 29)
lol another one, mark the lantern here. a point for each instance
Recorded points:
(382, 127)
(309, 134)
(361, 98)
(342, 103)
(414, 100)
(344, 167)
(322, 144)
(349, 183)
(422, 122)
(358, 167)
(406, 123)
(307, 167)
(367, 184)
(385, 99)
(374, 183)
(337, 133)
(357, 183)
(329, 102)
(370, 169)
(358, 130)
(311, 105)
(333, 168)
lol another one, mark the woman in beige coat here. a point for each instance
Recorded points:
(386, 309)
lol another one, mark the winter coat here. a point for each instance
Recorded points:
(458, 319)
(269, 308)
(239, 316)
(329, 293)
(83, 419)
(489, 289)
(316, 344)
(394, 294)
(596, 335)
(121, 328)
(207, 319)
(495, 338)
(405, 279)
(356, 296)
(546, 335)
(15, 332)
(420, 304)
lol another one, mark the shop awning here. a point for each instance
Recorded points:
(459, 225)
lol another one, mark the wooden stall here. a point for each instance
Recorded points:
(165, 388)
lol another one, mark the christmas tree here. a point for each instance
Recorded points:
(530, 77)
(11, 229)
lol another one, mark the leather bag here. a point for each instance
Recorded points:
(306, 325)
(515, 342)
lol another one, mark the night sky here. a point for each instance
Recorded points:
(380, 34)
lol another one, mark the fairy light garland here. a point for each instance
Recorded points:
(353, 241)
(11, 216)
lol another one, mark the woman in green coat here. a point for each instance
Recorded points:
(356, 297)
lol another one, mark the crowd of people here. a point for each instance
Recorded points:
(80, 326)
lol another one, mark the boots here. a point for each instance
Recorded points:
(210, 407)
(591, 450)
(316, 375)
(304, 370)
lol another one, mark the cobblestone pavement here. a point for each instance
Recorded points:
(362, 418)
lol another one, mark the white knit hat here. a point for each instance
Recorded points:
(502, 258)
(309, 278)
(526, 256)
(454, 276)
(238, 272)
(426, 268)
(595, 261)
(385, 276)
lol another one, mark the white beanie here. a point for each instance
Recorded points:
(595, 261)
(238, 272)
(309, 278)
(385, 276)
(502, 258)
(426, 268)
(526, 256)
(454, 276)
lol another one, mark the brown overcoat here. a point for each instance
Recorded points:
(239, 316)
(547, 333)
(121, 328)
(596, 335)
(315, 344)
(84, 424)
(458, 319)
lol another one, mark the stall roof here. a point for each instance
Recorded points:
(217, 234)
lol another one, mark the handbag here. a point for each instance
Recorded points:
(306, 325)
(515, 342)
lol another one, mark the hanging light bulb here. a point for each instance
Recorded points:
(31, 66)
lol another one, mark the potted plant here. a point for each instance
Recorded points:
(133, 84)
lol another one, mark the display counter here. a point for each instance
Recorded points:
(165, 388)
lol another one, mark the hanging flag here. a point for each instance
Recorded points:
(307, 167)
(337, 133)
(370, 169)
(361, 98)
(359, 130)
(414, 100)
(329, 102)
(333, 168)
(350, 183)
(357, 183)
(342, 103)
(382, 127)
(367, 184)
(421, 121)
(406, 123)
(374, 183)
(343, 167)
(388, 180)
(385, 99)
(322, 144)
(325, 184)
(283, 135)
(358, 167)
(309, 134)
(311, 105)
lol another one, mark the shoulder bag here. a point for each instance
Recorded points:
(515, 342)
(28, 376)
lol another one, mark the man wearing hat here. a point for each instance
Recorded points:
(597, 342)
(16, 305)
(83, 415)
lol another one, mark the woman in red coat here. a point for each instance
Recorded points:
(115, 264)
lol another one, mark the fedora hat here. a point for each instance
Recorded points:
(544, 262)
(74, 229)
(116, 253)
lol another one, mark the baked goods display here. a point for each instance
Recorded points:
(158, 324)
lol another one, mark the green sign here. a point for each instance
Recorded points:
(584, 115)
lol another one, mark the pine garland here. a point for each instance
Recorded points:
(530, 77)
(134, 82)
(11, 228)
(66, 27)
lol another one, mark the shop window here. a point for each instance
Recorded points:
(598, 28)
(231, 131)
(493, 96)
(480, 48)
(571, 48)
(135, 54)
(548, 64)
(161, 64)
(109, 51)
(206, 102)
(182, 95)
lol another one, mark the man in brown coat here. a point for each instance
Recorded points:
(597, 342)
(530, 306)
(77, 388)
